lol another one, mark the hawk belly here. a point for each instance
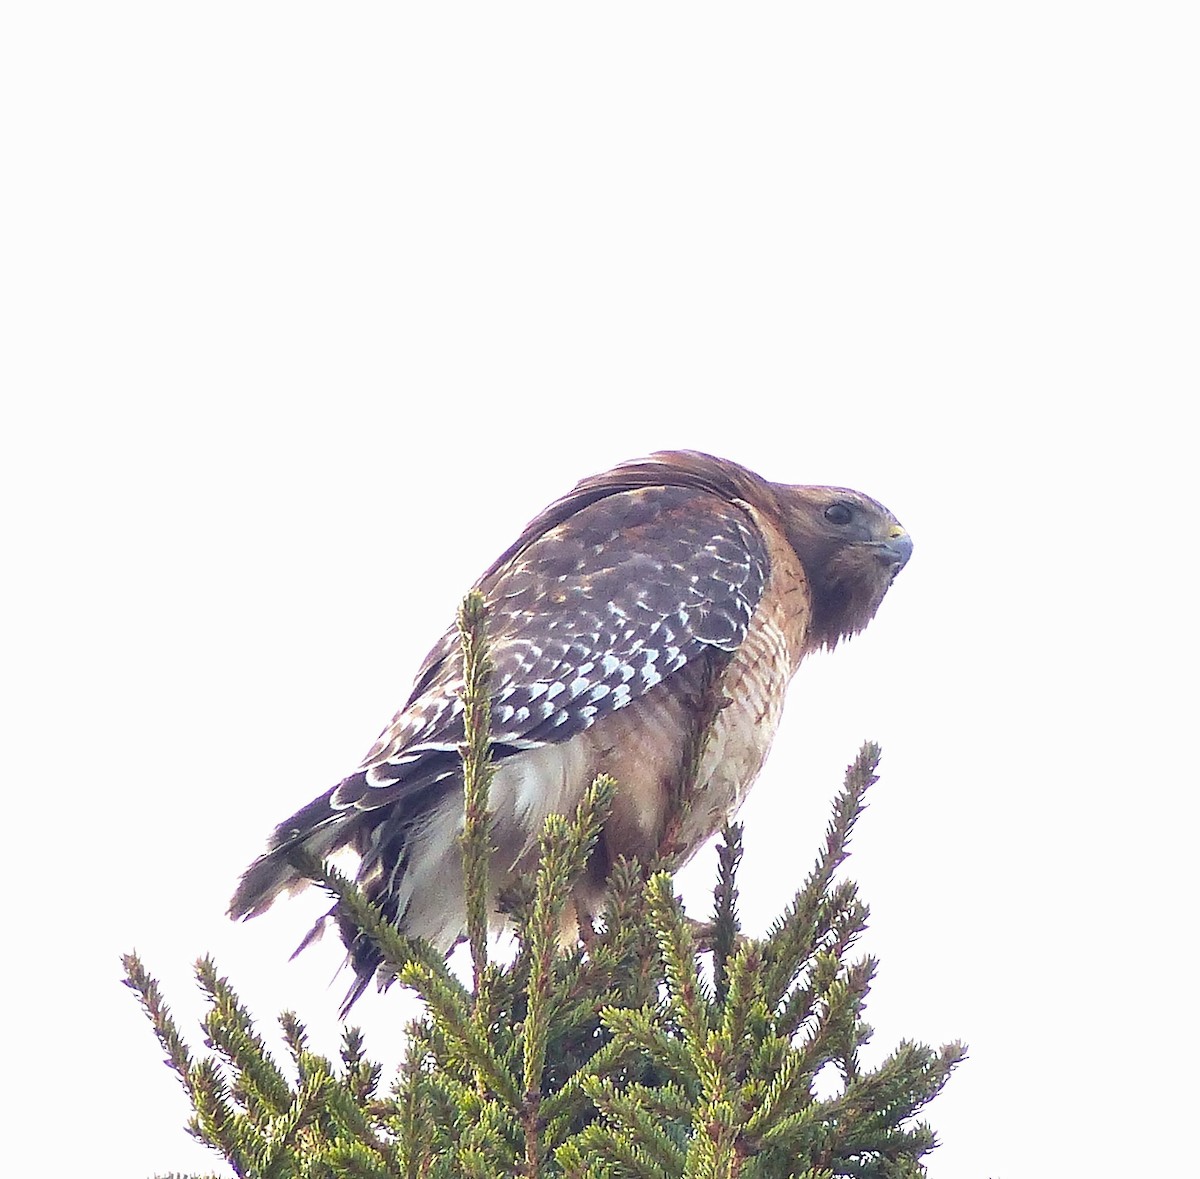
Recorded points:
(751, 691)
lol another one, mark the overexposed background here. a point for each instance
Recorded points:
(308, 308)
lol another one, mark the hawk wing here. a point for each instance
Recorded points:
(589, 615)
(589, 611)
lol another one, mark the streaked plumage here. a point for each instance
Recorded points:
(665, 602)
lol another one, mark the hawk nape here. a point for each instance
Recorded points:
(613, 617)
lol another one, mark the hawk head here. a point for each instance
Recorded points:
(851, 548)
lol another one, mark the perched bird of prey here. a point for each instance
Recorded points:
(658, 608)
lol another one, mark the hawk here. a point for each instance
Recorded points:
(615, 620)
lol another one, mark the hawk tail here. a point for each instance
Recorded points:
(315, 829)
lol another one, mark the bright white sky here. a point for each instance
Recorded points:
(308, 308)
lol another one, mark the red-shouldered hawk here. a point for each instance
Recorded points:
(617, 612)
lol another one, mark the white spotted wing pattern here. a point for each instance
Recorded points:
(587, 617)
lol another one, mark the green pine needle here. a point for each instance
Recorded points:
(475, 751)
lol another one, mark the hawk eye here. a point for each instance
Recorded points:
(838, 514)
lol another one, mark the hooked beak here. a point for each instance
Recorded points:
(896, 550)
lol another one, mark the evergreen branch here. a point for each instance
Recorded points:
(477, 774)
(832, 1036)
(574, 1166)
(356, 1161)
(685, 990)
(769, 1053)
(413, 1132)
(308, 1103)
(667, 1102)
(610, 1058)
(488, 1141)
(351, 1113)
(858, 982)
(260, 1084)
(398, 950)
(619, 965)
(600, 1141)
(216, 1123)
(564, 852)
(715, 1151)
(295, 1036)
(452, 1017)
(801, 1134)
(867, 1118)
(639, 1028)
(789, 1088)
(715, 1148)
(906, 1081)
(139, 980)
(361, 1075)
(473, 1164)
(638, 1121)
(743, 994)
(841, 918)
(725, 923)
(792, 935)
